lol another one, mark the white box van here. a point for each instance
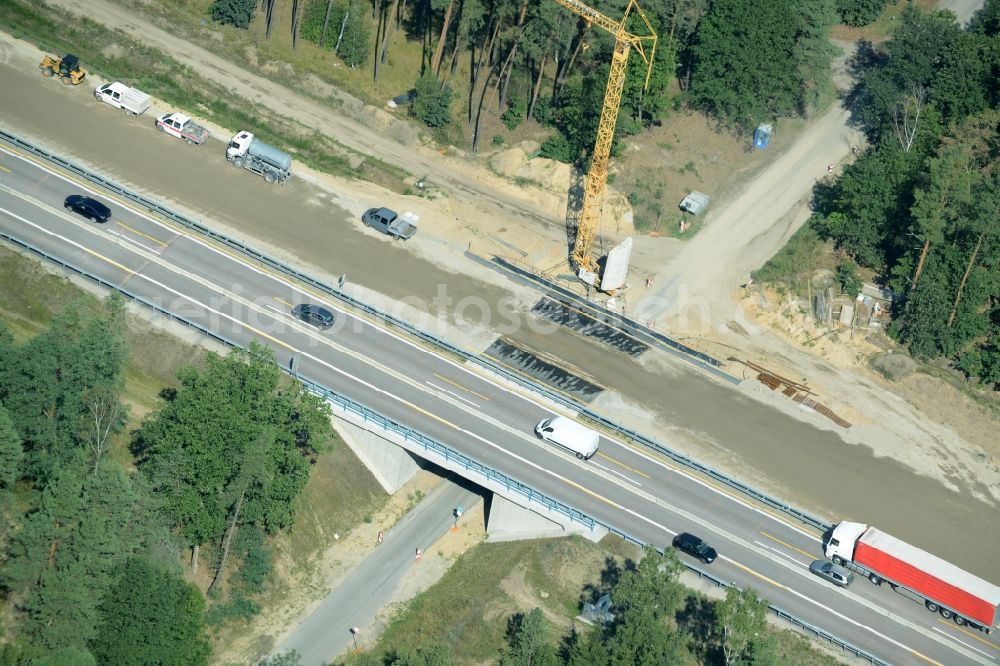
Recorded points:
(570, 435)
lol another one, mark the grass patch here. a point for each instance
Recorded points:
(800, 257)
(794, 648)
(882, 27)
(119, 56)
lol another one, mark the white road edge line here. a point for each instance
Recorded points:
(461, 367)
(971, 647)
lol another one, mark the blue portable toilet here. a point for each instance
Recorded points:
(762, 136)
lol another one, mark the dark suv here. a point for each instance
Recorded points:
(314, 314)
(695, 547)
(89, 208)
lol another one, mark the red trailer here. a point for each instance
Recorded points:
(945, 589)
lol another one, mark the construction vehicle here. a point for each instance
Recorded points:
(597, 177)
(66, 68)
(248, 152)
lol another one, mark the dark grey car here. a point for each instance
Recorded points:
(388, 222)
(92, 209)
(314, 314)
(834, 573)
(695, 547)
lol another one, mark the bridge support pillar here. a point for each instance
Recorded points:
(510, 521)
(391, 465)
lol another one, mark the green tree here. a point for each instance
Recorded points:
(588, 650)
(528, 641)
(151, 617)
(987, 20)
(65, 656)
(867, 210)
(899, 97)
(237, 13)
(857, 13)
(847, 276)
(194, 448)
(62, 560)
(355, 42)
(11, 452)
(742, 622)
(753, 61)
(432, 104)
(52, 375)
(576, 115)
(644, 599)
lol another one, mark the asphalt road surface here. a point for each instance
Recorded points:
(326, 633)
(762, 446)
(624, 486)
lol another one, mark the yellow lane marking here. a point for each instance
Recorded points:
(139, 233)
(459, 386)
(968, 632)
(788, 545)
(110, 261)
(282, 301)
(623, 465)
(758, 575)
(590, 492)
(5, 169)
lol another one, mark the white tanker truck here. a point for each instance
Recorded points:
(251, 153)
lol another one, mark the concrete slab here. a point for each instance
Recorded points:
(509, 521)
(391, 465)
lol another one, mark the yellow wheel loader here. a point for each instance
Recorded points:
(66, 68)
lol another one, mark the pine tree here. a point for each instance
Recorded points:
(151, 617)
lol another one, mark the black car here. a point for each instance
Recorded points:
(314, 314)
(91, 209)
(695, 547)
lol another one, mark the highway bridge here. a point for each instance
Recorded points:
(626, 486)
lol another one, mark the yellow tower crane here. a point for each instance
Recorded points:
(597, 177)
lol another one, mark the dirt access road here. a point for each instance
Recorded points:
(472, 185)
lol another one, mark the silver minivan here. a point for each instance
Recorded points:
(570, 435)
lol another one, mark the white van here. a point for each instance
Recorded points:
(570, 435)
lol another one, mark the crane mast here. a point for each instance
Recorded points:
(597, 176)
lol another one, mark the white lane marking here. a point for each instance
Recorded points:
(277, 309)
(471, 434)
(615, 472)
(464, 369)
(132, 240)
(971, 647)
(782, 553)
(450, 392)
(841, 616)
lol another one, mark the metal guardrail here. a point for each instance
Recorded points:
(426, 336)
(450, 455)
(369, 415)
(410, 434)
(623, 322)
(849, 648)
